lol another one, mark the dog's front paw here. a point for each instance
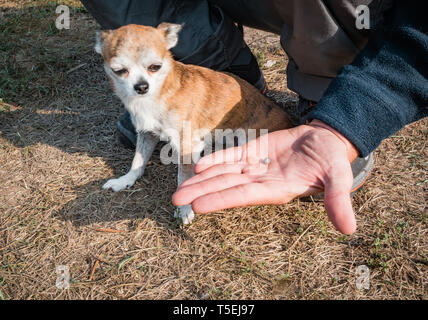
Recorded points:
(119, 184)
(185, 213)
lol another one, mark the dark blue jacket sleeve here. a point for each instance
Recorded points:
(386, 86)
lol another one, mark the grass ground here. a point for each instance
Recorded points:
(58, 146)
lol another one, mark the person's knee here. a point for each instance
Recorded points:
(113, 14)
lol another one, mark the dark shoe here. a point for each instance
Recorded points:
(244, 66)
(361, 167)
(126, 131)
(303, 108)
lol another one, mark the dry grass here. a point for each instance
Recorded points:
(58, 146)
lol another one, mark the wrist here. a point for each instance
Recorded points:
(351, 151)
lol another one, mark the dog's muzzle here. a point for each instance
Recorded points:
(142, 87)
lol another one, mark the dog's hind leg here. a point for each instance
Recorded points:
(146, 143)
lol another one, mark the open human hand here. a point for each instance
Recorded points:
(304, 160)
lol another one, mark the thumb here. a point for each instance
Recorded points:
(337, 199)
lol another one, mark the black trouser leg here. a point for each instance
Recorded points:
(209, 37)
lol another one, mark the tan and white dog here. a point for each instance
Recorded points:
(161, 94)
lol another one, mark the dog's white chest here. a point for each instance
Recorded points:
(151, 116)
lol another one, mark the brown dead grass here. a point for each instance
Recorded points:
(58, 146)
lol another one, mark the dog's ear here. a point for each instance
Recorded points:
(170, 31)
(100, 37)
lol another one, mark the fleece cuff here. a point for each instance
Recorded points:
(364, 119)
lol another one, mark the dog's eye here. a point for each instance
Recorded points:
(121, 72)
(155, 67)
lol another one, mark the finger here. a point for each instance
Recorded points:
(340, 212)
(231, 155)
(337, 201)
(239, 196)
(186, 195)
(213, 171)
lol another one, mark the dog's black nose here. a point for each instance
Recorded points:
(141, 87)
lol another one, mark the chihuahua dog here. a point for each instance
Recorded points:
(161, 94)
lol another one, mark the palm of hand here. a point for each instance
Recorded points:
(303, 161)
